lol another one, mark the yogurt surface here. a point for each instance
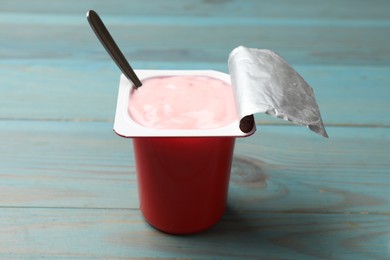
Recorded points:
(183, 102)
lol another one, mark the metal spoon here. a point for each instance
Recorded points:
(111, 47)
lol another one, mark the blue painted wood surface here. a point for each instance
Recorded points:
(67, 183)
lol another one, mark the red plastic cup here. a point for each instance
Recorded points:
(183, 175)
(183, 181)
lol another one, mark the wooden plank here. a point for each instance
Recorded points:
(116, 234)
(65, 165)
(58, 90)
(279, 169)
(195, 40)
(294, 171)
(279, 9)
(201, 31)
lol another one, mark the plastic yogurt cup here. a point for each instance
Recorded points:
(183, 163)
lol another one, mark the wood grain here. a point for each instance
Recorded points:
(276, 10)
(279, 169)
(197, 41)
(67, 182)
(117, 234)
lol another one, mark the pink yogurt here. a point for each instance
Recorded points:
(183, 102)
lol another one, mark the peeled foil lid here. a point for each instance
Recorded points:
(265, 83)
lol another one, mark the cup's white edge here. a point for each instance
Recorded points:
(124, 126)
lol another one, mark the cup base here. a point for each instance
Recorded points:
(183, 232)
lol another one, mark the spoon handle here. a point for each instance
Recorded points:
(111, 47)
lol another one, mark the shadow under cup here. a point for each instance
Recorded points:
(183, 181)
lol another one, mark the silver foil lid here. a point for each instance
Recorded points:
(265, 83)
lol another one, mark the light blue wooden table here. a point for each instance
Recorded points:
(67, 182)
